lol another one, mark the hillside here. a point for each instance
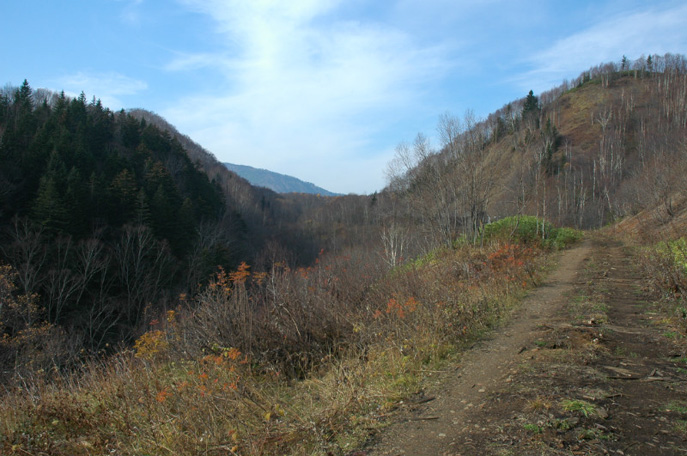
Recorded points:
(280, 183)
(591, 151)
(107, 216)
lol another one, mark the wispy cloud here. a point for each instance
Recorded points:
(648, 31)
(302, 87)
(131, 13)
(108, 87)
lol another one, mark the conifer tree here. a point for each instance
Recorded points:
(49, 209)
(530, 109)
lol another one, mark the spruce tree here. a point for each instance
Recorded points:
(530, 109)
(49, 209)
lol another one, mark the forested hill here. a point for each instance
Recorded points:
(101, 214)
(277, 182)
(74, 167)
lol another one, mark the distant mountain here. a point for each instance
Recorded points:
(279, 183)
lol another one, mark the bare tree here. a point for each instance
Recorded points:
(395, 240)
(61, 283)
(144, 267)
(27, 253)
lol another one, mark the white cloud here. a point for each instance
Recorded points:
(652, 31)
(108, 87)
(304, 89)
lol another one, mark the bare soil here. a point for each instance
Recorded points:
(587, 366)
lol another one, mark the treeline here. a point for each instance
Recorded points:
(103, 218)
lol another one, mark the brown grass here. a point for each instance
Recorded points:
(293, 362)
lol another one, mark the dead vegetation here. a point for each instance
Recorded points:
(299, 361)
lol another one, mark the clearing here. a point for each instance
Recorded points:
(587, 366)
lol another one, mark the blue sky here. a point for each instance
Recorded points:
(321, 89)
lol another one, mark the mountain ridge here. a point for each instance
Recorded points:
(277, 182)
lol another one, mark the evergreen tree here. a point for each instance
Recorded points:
(185, 226)
(143, 214)
(531, 104)
(4, 107)
(75, 199)
(123, 192)
(49, 209)
(530, 109)
(24, 97)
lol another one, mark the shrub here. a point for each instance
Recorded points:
(523, 229)
(218, 372)
(667, 265)
(530, 230)
(564, 237)
(28, 344)
(676, 251)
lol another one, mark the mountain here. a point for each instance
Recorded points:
(280, 183)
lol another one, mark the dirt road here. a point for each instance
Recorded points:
(587, 366)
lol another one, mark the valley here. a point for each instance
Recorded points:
(518, 288)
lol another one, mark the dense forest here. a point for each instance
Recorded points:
(103, 217)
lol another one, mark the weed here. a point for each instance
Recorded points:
(681, 426)
(533, 428)
(666, 263)
(581, 406)
(675, 406)
(623, 352)
(562, 425)
(593, 434)
(538, 404)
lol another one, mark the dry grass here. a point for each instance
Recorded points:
(188, 389)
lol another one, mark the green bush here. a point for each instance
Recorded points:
(676, 251)
(527, 229)
(524, 229)
(565, 237)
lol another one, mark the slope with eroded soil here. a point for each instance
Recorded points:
(587, 367)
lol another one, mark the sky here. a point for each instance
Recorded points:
(323, 90)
